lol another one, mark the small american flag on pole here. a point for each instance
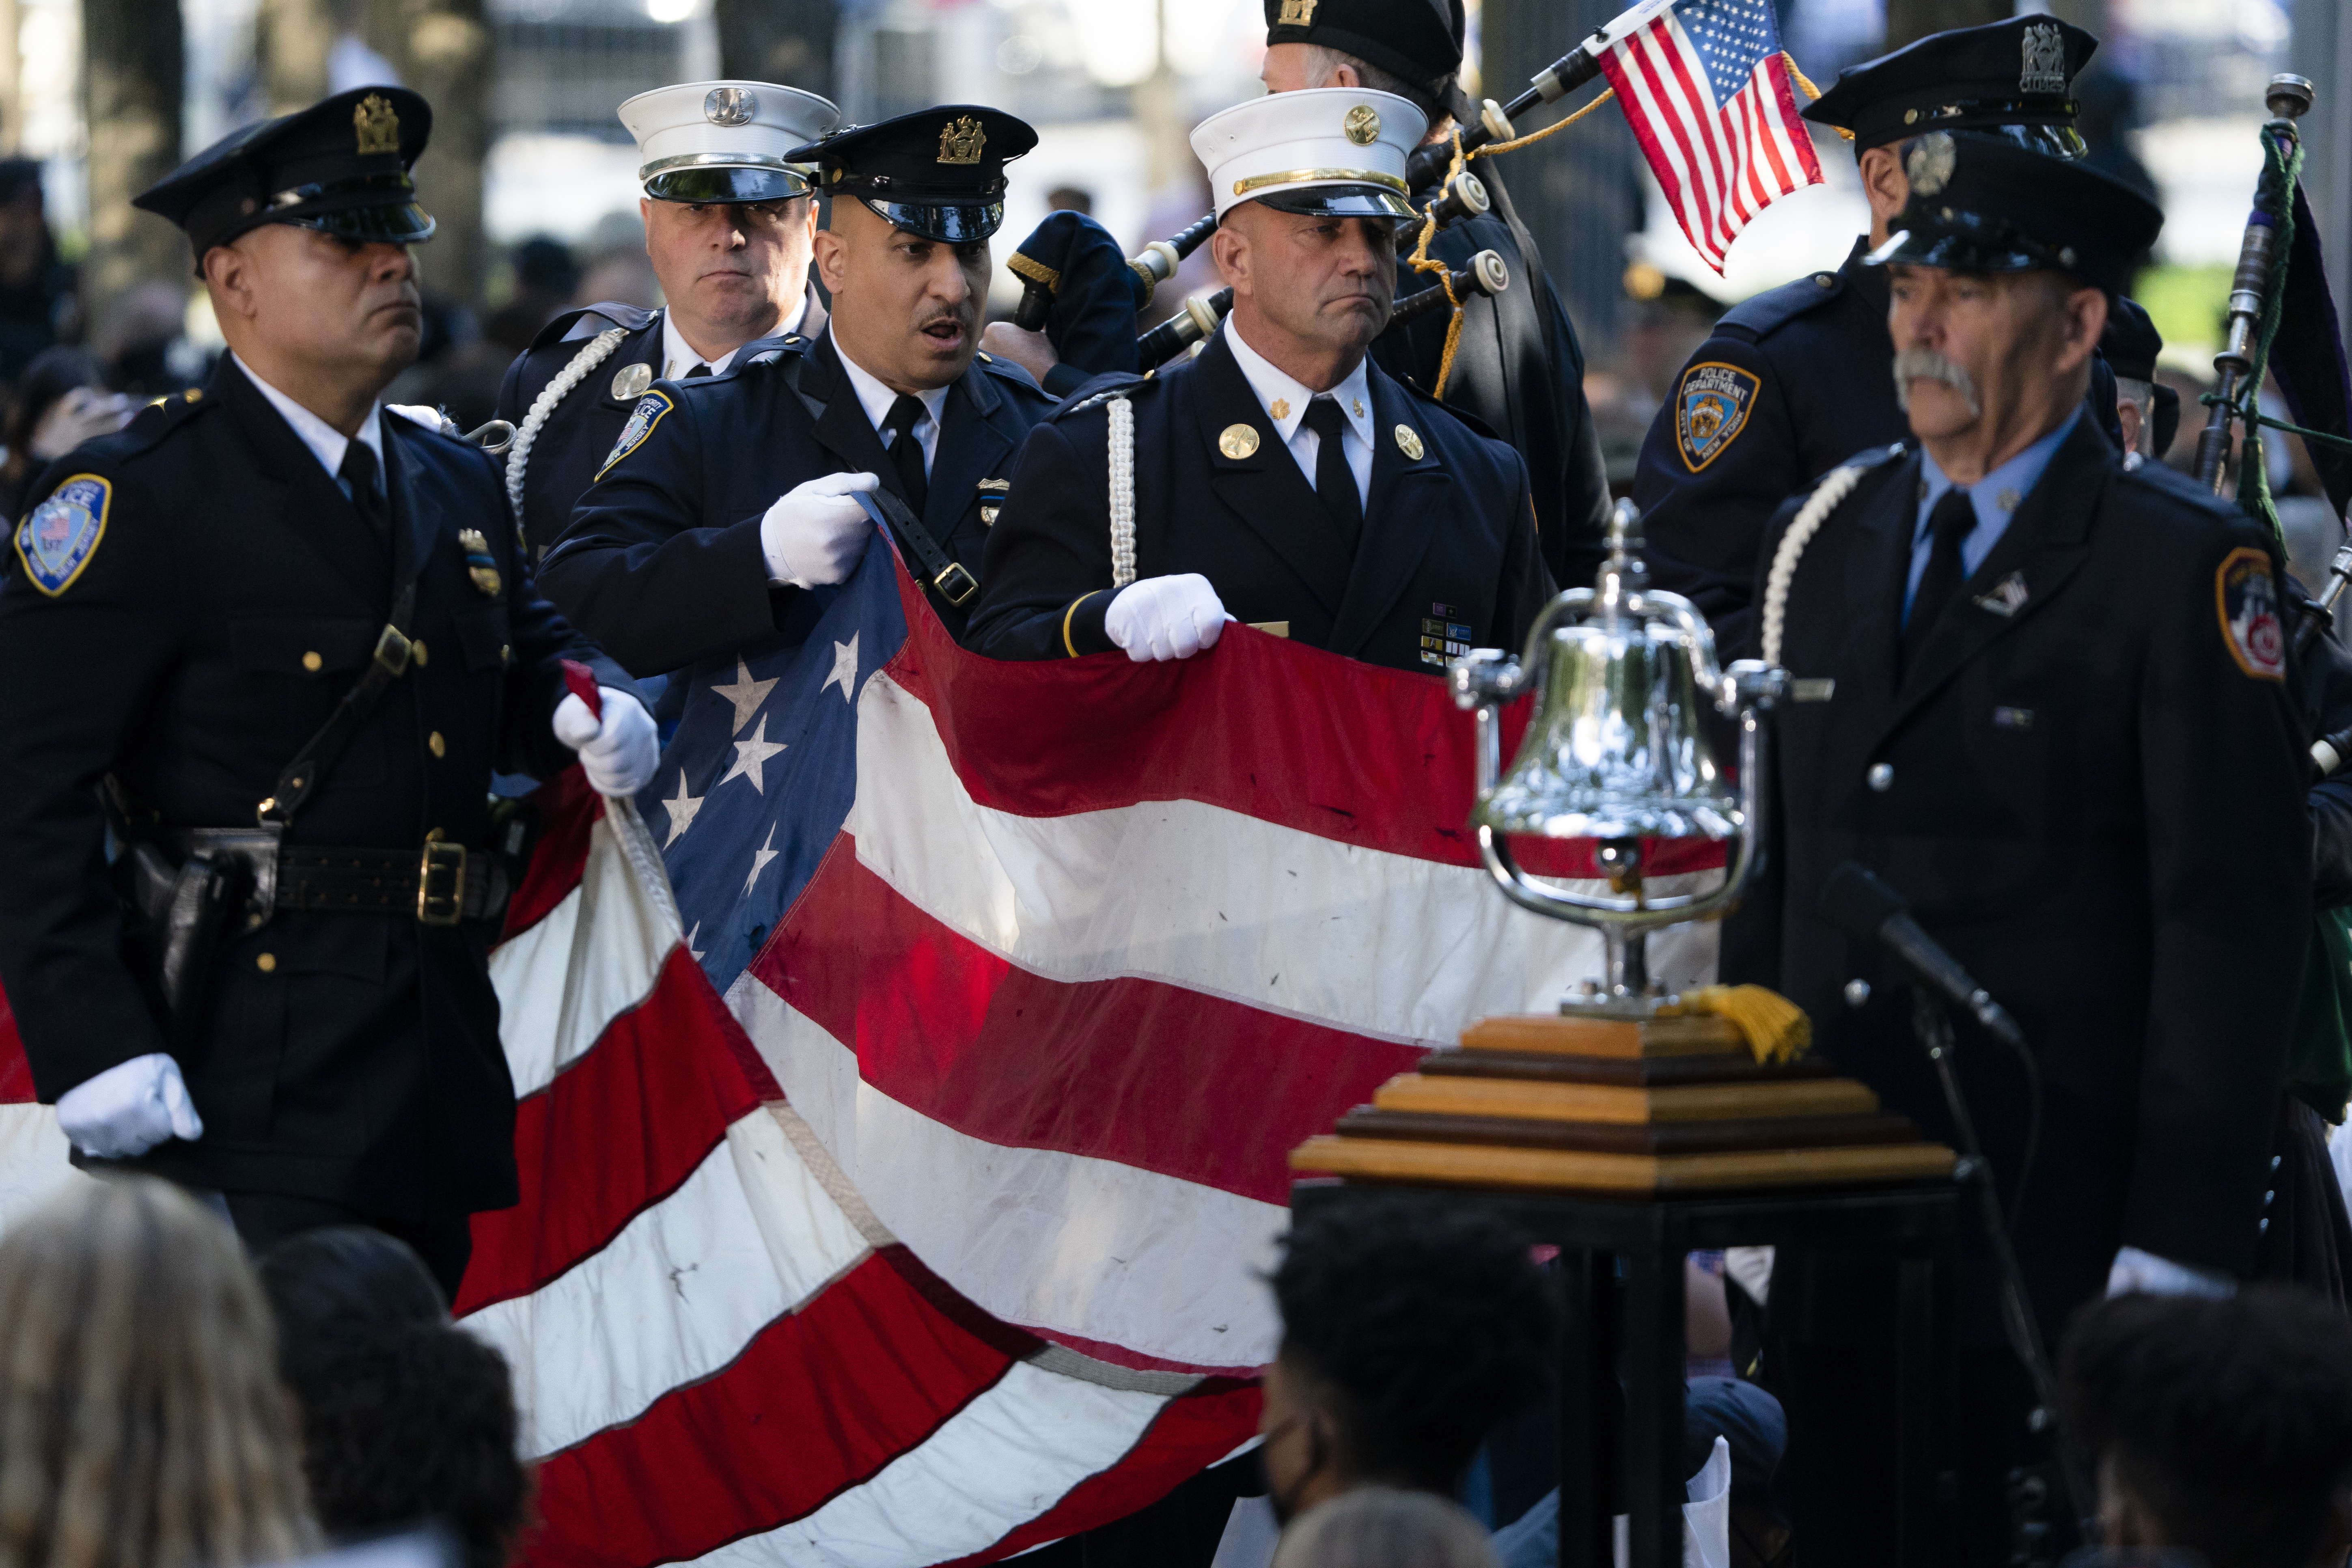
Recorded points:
(1709, 94)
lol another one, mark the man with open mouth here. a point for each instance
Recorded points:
(728, 510)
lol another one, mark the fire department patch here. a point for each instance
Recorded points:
(1711, 409)
(56, 540)
(642, 419)
(2246, 597)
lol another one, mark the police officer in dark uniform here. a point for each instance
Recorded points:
(728, 225)
(289, 637)
(1795, 379)
(727, 505)
(1279, 477)
(2046, 699)
(1517, 370)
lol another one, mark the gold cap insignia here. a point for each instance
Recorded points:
(377, 124)
(1362, 125)
(1407, 441)
(1237, 441)
(960, 140)
(1297, 13)
(632, 382)
(1929, 166)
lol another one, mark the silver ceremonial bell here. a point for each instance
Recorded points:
(1614, 752)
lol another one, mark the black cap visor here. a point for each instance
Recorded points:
(1964, 242)
(950, 223)
(365, 207)
(710, 186)
(1340, 201)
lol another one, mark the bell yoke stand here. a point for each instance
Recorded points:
(1614, 752)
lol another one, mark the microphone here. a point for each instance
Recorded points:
(1856, 901)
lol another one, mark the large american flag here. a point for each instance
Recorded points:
(1708, 92)
(942, 1238)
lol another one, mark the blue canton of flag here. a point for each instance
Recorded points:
(1730, 36)
(754, 786)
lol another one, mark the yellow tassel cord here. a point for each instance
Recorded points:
(1811, 91)
(1776, 1028)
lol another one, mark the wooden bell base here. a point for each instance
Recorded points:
(1540, 1101)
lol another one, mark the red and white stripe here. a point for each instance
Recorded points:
(1718, 164)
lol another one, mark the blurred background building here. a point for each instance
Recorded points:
(533, 177)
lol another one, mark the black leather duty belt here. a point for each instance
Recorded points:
(440, 885)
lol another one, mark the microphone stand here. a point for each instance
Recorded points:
(1934, 1027)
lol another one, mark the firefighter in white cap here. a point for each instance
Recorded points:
(1279, 478)
(729, 223)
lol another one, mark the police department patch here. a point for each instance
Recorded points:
(2246, 596)
(642, 419)
(62, 533)
(1710, 409)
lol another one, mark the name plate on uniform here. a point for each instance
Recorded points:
(1271, 628)
(1814, 690)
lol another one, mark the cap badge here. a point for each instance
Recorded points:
(378, 125)
(1362, 125)
(1931, 162)
(1407, 441)
(729, 106)
(2045, 59)
(1237, 441)
(632, 382)
(1297, 13)
(960, 140)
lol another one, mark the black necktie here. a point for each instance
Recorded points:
(907, 452)
(1335, 481)
(1954, 519)
(359, 472)
(699, 369)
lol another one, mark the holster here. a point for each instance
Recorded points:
(180, 893)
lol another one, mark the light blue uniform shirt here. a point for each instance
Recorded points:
(1996, 496)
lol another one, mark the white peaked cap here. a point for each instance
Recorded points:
(1340, 150)
(688, 135)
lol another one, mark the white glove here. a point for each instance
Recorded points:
(816, 531)
(1166, 617)
(618, 753)
(423, 415)
(2145, 1272)
(129, 1108)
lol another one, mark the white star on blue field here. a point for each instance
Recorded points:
(1730, 37)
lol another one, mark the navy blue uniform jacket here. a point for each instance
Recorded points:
(2097, 805)
(1447, 559)
(362, 1064)
(1519, 371)
(661, 560)
(579, 431)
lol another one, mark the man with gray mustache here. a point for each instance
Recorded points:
(727, 509)
(2046, 698)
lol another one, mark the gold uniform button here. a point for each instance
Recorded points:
(435, 745)
(266, 964)
(416, 651)
(311, 662)
(506, 653)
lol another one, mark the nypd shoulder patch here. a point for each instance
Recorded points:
(1711, 407)
(642, 419)
(2246, 597)
(57, 540)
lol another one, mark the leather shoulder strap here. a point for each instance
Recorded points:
(319, 754)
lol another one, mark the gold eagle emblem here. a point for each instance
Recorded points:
(377, 124)
(960, 140)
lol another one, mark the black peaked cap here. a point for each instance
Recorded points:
(937, 172)
(1981, 204)
(341, 166)
(1418, 40)
(2016, 76)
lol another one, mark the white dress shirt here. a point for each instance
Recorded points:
(326, 443)
(678, 356)
(1286, 398)
(877, 399)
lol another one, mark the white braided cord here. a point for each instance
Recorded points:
(1122, 493)
(1826, 498)
(597, 351)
